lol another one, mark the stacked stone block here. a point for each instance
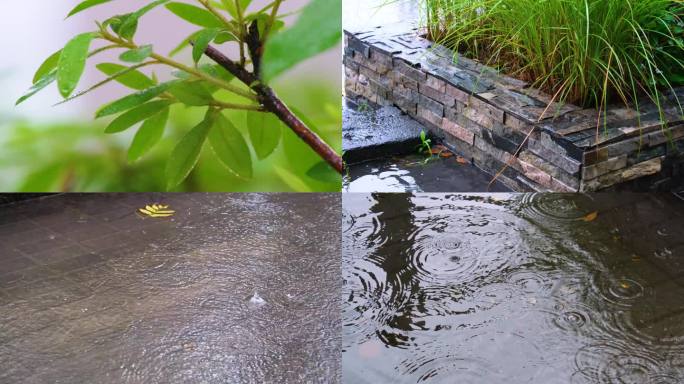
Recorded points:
(503, 124)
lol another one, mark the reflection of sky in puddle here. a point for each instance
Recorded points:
(414, 173)
(390, 181)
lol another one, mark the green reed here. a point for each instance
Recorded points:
(588, 52)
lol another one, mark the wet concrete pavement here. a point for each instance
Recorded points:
(232, 288)
(369, 133)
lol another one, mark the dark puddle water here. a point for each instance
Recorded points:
(234, 288)
(413, 173)
(543, 288)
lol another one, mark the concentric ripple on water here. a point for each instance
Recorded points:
(448, 288)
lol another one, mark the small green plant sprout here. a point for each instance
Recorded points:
(425, 144)
(363, 106)
(212, 80)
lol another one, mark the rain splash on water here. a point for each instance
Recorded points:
(546, 288)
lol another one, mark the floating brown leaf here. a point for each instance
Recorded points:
(590, 217)
(438, 149)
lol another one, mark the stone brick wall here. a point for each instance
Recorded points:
(487, 117)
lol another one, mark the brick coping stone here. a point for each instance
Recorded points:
(487, 116)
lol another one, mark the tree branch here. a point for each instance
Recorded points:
(268, 98)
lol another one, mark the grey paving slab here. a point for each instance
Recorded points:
(239, 288)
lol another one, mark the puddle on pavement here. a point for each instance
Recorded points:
(543, 288)
(231, 288)
(412, 173)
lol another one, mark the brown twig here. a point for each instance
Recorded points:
(272, 103)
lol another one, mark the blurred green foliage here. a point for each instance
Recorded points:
(222, 108)
(78, 156)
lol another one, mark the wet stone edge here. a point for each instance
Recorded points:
(486, 116)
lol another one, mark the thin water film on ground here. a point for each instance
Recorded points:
(383, 153)
(418, 173)
(534, 288)
(229, 288)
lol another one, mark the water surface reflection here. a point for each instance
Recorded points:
(513, 288)
(234, 288)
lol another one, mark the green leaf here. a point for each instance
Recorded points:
(186, 153)
(191, 93)
(324, 173)
(229, 5)
(136, 55)
(230, 147)
(131, 78)
(130, 24)
(213, 70)
(224, 36)
(264, 132)
(184, 43)
(194, 15)
(244, 4)
(216, 70)
(72, 62)
(116, 22)
(299, 155)
(135, 99)
(38, 86)
(48, 65)
(85, 5)
(293, 181)
(202, 42)
(136, 115)
(148, 135)
(317, 29)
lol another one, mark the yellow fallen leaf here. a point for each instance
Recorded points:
(157, 210)
(590, 217)
(161, 215)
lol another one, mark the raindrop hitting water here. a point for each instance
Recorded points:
(448, 288)
(256, 300)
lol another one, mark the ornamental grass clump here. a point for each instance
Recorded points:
(586, 52)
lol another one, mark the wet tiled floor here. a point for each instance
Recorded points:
(232, 288)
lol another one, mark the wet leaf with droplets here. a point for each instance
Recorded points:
(72, 62)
